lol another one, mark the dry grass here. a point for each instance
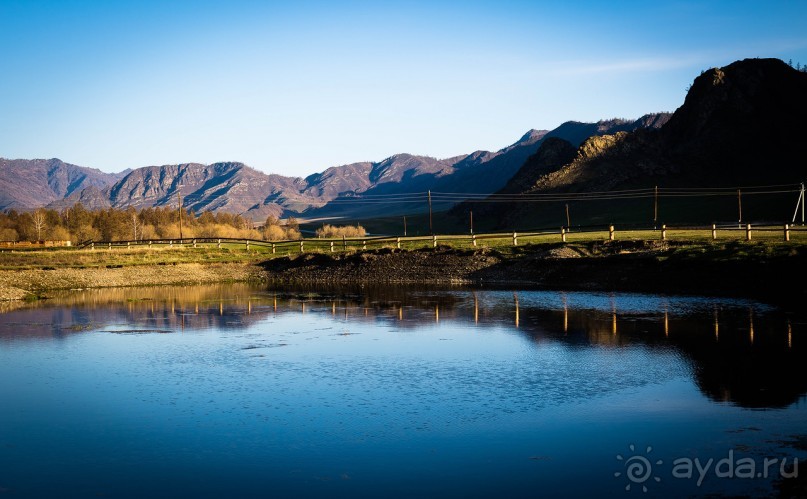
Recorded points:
(120, 256)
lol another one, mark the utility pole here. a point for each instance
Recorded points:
(472, 222)
(800, 201)
(655, 207)
(179, 205)
(431, 229)
(568, 221)
(740, 206)
(404, 225)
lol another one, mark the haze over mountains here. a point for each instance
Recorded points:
(739, 124)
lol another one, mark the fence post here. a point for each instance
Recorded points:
(434, 241)
(747, 232)
(170, 243)
(473, 237)
(563, 234)
(109, 246)
(714, 232)
(344, 243)
(515, 239)
(194, 243)
(247, 245)
(663, 232)
(273, 248)
(331, 246)
(364, 245)
(92, 246)
(218, 244)
(787, 232)
(398, 240)
(128, 245)
(301, 246)
(149, 243)
(610, 232)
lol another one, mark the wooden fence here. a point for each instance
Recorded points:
(35, 244)
(737, 231)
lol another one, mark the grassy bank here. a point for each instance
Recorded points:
(35, 283)
(122, 254)
(688, 262)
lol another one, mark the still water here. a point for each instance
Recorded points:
(239, 391)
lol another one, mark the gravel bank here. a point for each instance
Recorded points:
(427, 266)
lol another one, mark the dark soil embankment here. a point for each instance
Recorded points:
(731, 269)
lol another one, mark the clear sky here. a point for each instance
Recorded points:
(295, 87)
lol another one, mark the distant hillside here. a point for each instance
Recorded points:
(741, 125)
(237, 188)
(478, 172)
(30, 183)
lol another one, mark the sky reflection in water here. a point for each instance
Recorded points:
(235, 390)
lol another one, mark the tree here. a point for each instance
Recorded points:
(206, 218)
(134, 223)
(292, 223)
(8, 234)
(328, 231)
(58, 233)
(39, 218)
(78, 218)
(274, 233)
(86, 233)
(114, 225)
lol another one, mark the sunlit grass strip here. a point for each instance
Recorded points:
(237, 251)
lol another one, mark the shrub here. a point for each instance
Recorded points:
(331, 231)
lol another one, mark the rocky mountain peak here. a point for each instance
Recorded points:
(532, 136)
(764, 94)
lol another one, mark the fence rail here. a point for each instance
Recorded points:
(746, 232)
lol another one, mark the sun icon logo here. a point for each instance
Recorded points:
(638, 469)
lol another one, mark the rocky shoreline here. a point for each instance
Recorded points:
(634, 266)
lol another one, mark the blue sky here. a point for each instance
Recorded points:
(296, 87)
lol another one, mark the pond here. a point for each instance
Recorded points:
(242, 391)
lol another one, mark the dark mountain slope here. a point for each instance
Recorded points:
(740, 125)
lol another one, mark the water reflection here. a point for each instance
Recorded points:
(742, 352)
(475, 392)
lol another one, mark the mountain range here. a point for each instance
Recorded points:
(237, 188)
(28, 184)
(741, 124)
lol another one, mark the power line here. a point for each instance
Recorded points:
(457, 197)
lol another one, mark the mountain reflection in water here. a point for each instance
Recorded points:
(742, 352)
